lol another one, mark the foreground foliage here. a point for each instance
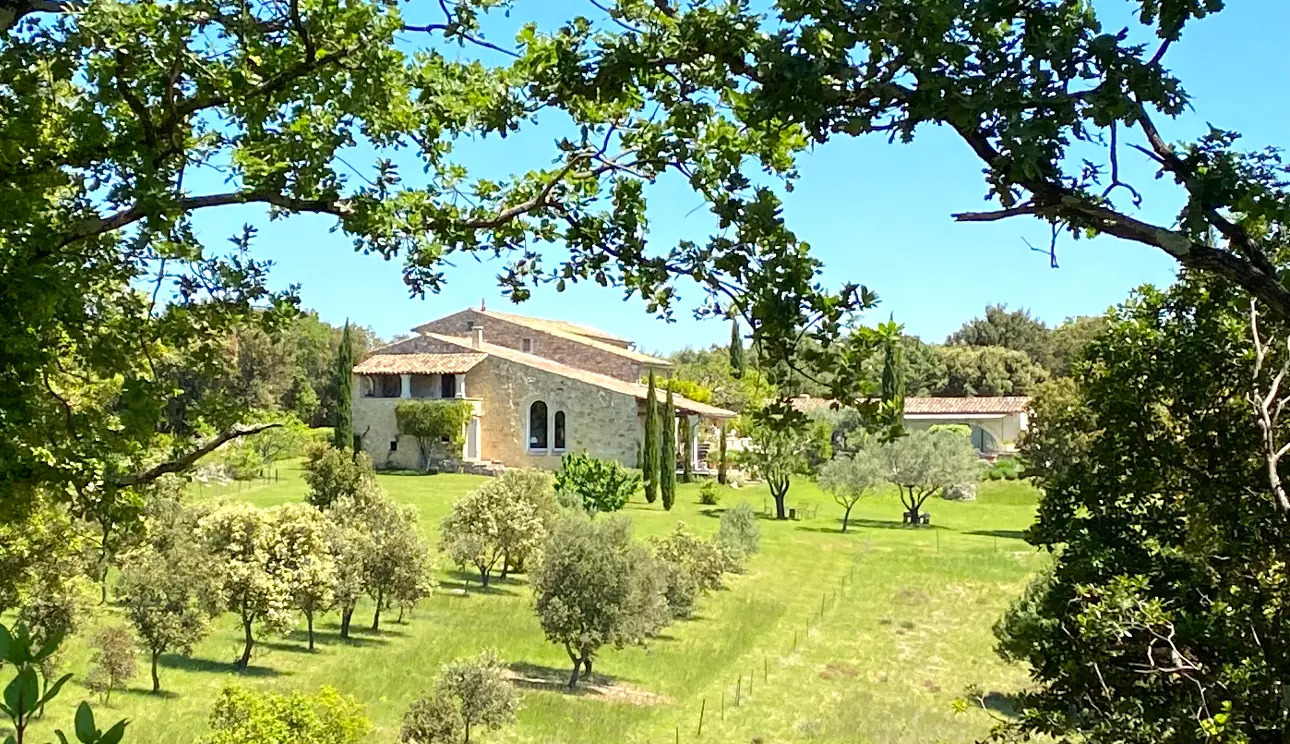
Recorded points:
(1162, 618)
(470, 694)
(241, 716)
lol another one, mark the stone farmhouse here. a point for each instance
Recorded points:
(537, 389)
(995, 422)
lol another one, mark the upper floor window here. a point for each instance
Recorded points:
(559, 430)
(537, 426)
(526, 345)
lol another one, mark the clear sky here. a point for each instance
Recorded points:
(873, 212)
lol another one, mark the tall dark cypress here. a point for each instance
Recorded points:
(736, 351)
(343, 435)
(722, 476)
(893, 380)
(667, 454)
(650, 455)
(687, 454)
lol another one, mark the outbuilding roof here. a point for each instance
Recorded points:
(935, 406)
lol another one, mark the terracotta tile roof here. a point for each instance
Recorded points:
(563, 326)
(930, 406)
(419, 364)
(998, 404)
(572, 332)
(639, 391)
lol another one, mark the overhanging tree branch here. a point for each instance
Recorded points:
(181, 464)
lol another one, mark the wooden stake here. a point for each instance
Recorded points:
(738, 689)
(702, 706)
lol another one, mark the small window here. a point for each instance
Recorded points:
(526, 345)
(537, 426)
(394, 445)
(559, 430)
(447, 386)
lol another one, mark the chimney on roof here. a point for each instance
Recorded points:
(482, 306)
(476, 336)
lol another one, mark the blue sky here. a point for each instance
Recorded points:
(873, 212)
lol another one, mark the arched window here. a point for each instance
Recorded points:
(537, 426)
(559, 430)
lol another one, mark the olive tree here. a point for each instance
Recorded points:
(496, 523)
(847, 478)
(169, 597)
(257, 587)
(395, 555)
(469, 694)
(776, 454)
(349, 543)
(594, 587)
(300, 550)
(241, 716)
(925, 462)
(112, 663)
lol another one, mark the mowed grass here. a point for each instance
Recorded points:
(867, 636)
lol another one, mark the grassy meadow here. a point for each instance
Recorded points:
(867, 636)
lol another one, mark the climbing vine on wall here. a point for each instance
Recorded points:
(437, 424)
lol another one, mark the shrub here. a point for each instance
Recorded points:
(326, 717)
(704, 560)
(961, 429)
(739, 531)
(243, 460)
(604, 485)
(1005, 468)
(112, 664)
(680, 590)
(471, 693)
(709, 495)
(331, 474)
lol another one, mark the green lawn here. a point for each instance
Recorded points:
(897, 643)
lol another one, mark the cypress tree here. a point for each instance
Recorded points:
(650, 464)
(736, 351)
(893, 381)
(667, 454)
(687, 454)
(343, 434)
(722, 476)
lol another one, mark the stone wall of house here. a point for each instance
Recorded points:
(546, 345)
(374, 423)
(604, 423)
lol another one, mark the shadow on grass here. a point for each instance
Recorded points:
(539, 677)
(877, 524)
(1006, 534)
(469, 582)
(193, 664)
(1005, 704)
(146, 693)
(715, 513)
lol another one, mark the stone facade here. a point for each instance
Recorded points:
(990, 434)
(605, 423)
(550, 346)
(375, 425)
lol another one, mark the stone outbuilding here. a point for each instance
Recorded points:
(537, 389)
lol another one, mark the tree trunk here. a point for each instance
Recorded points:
(466, 739)
(250, 641)
(586, 667)
(778, 492)
(346, 614)
(309, 621)
(156, 680)
(402, 607)
(376, 616)
(577, 664)
(846, 517)
(506, 564)
(483, 574)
